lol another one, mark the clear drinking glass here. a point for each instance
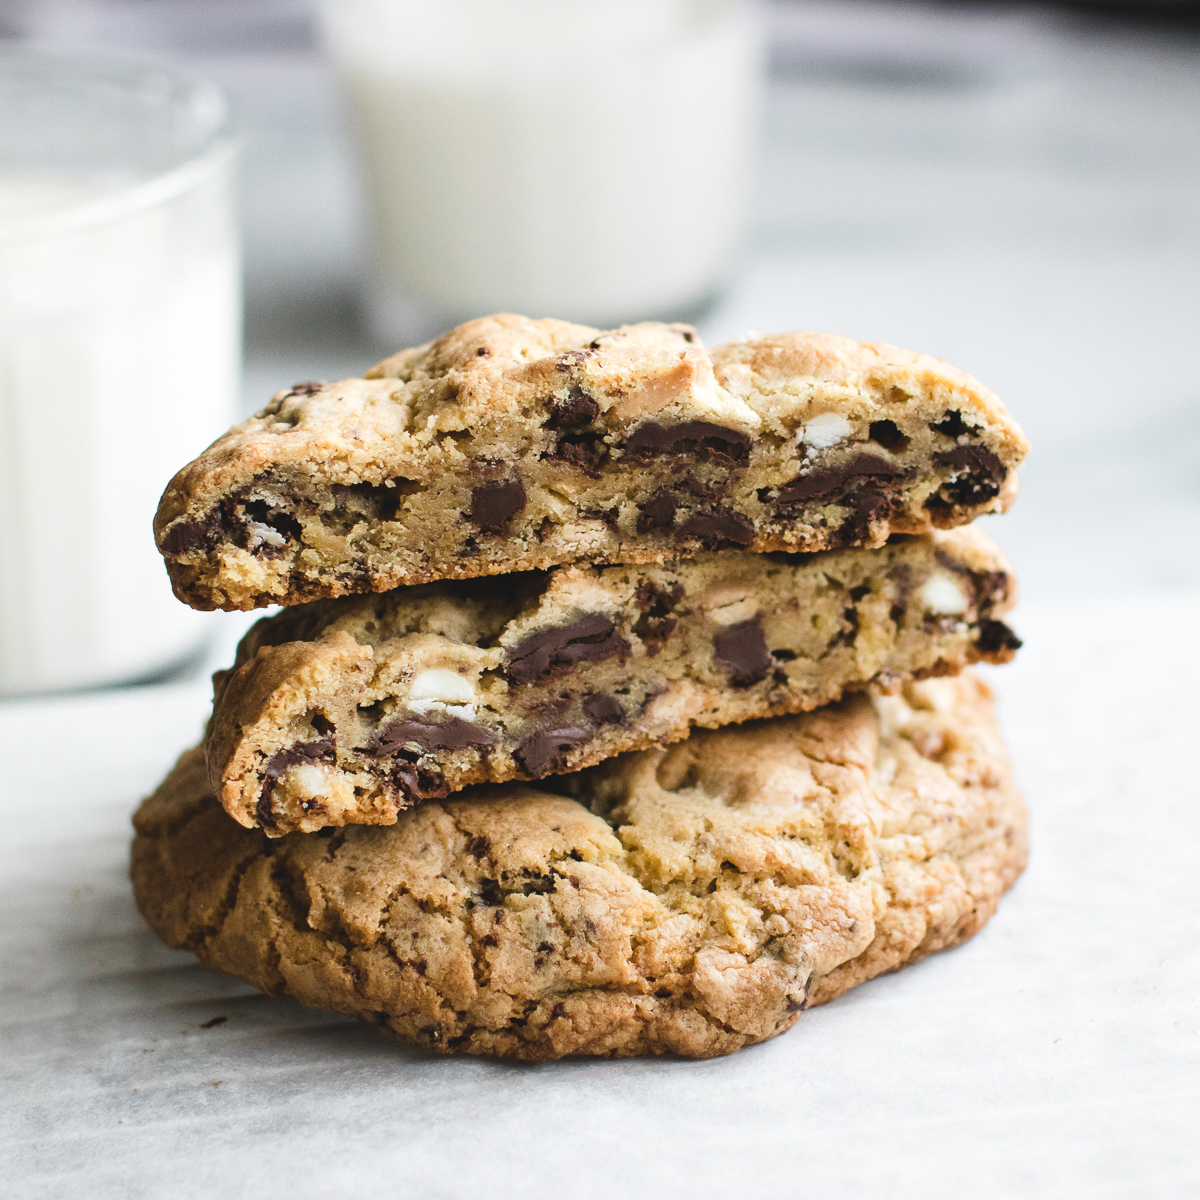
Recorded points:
(120, 354)
(586, 159)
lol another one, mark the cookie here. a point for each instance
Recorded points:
(690, 900)
(348, 711)
(514, 445)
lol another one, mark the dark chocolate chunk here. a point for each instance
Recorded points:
(607, 515)
(604, 709)
(576, 411)
(452, 734)
(184, 537)
(541, 753)
(996, 638)
(658, 512)
(703, 439)
(550, 651)
(991, 588)
(952, 426)
(742, 650)
(976, 474)
(582, 450)
(888, 435)
(718, 528)
(863, 505)
(493, 505)
(412, 784)
(322, 750)
(478, 846)
(822, 482)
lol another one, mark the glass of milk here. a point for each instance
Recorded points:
(585, 159)
(120, 353)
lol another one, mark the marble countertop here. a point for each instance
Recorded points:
(1023, 200)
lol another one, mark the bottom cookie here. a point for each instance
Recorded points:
(687, 901)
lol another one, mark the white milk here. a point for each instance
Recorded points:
(120, 344)
(579, 158)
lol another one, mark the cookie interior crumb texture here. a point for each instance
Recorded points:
(688, 900)
(515, 445)
(351, 710)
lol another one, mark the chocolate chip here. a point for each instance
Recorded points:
(952, 426)
(604, 709)
(184, 537)
(493, 505)
(822, 482)
(704, 439)
(576, 411)
(990, 587)
(541, 753)
(864, 505)
(412, 784)
(888, 435)
(582, 450)
(482, 352)
(607, 515)
(658, 512)
(742, 650)
(976, 474)
(718, 528)
(550, 651)
(490, 940)
(996, 638)
(478, 846)
(322, 750)
(309, 388)
(451, 734)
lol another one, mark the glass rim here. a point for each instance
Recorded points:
(218, 143)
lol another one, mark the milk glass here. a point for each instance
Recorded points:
(586, 159)
(120, 350)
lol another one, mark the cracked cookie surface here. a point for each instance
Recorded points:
(689, 901)
(349, 711)
(513, 445)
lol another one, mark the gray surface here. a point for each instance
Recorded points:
(1021, 197)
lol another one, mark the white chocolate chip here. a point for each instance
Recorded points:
(310, 779)
(438, 684)
(261, 535)
(824, 431)
(944, 595)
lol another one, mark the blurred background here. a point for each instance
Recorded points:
(1013, 187)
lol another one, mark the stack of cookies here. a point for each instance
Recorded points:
(592, 722)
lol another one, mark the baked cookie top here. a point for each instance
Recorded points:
(691, 900)
(514, 444)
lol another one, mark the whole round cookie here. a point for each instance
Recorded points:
(690, 900)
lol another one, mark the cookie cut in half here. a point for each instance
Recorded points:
(349, 711)
(514, 445)
(689, 901)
